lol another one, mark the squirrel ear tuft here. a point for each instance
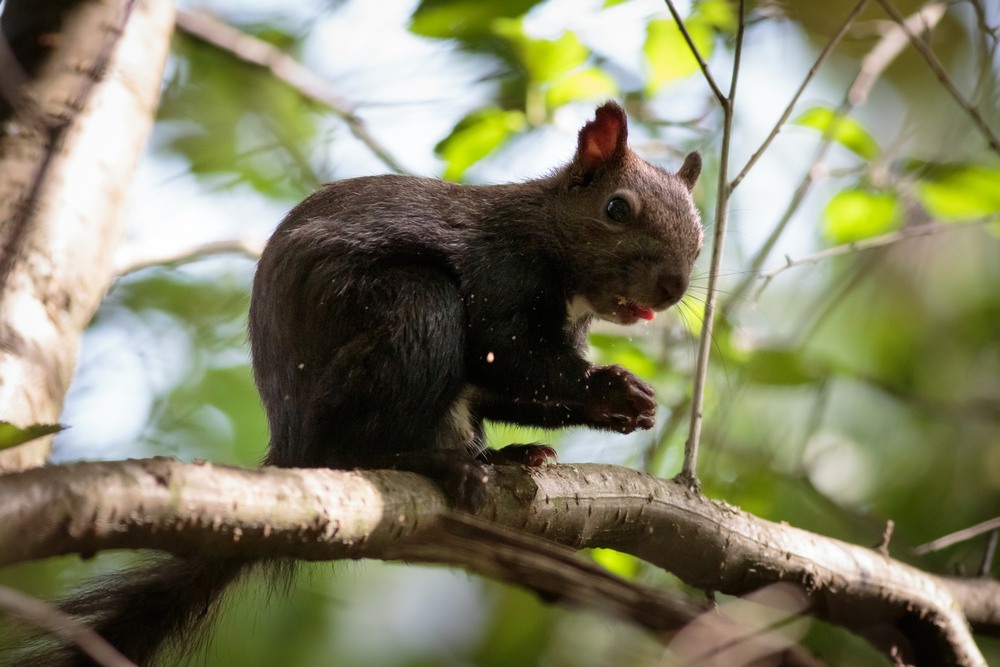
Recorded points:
(690, 170)
(603, 139)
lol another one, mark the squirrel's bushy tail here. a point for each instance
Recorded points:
(166, 604)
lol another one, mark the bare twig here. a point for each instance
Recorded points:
(872, 66)
(845, 26)
(688, 474)
(46, 617)
(883, 545)
(957, 537)
(889, 47)
(697, 54)
(131, 258)
(873, 242)
(285, 68)
(942, 75)
(989, 554)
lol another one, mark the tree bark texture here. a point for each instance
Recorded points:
(83, 103)
(206, 510)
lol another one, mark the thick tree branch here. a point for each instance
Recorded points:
(202, 509)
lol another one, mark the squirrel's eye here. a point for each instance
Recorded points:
(617, 209)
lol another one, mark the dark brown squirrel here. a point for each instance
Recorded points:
(391, 315)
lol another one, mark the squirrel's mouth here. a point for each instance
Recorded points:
(630, 311)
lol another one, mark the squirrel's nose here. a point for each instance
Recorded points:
(671, 287)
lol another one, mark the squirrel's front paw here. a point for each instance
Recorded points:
(619, 400)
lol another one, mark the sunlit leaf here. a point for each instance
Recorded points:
(476, 136)
(612, 3)
(844, 130)
(668, 54)
(960, 192)
(855, 214)
(615, 349)
(545, 60)
(717, 13)
(585, 84)
(616, 562)
(11, 436)
(463, 18)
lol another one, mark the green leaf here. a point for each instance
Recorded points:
(612, 3)
(779, 366)
(585, 84)
(668, 54)
(960, 191)
(476, 136)
(615, 349)
(12, 436)
(616, 562)
(717, 13)
(844, 130)
(545, 60)
(854, 214)
(464, 19)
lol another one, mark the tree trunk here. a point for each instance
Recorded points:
(77, 117)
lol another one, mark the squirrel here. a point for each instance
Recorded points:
(391, 315)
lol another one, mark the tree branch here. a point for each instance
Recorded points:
(942, 75)
(285, 68)
(190, 509)
(43, 615)
(872, 65)
(689, 472)
(891, 238)
(719, 95)
(827, 50)
(134, 257)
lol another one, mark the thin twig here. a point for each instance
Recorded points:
(883, 545)
(688, 474)
(845, 26)
(873, 242)
(991, 550)
(889, 46)
(46, 617)
(285, 68)
(130, 258)
(697, 54)
(872, 65)
(942, 75)
(957, 537)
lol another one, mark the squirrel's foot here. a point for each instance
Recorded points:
(533, 455)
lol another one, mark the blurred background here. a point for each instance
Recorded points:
(844, 390)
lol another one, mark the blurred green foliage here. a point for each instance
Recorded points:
(848, 392)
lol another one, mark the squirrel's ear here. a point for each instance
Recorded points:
(603, 139)
(690, 170)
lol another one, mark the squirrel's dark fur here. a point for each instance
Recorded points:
(390, 315)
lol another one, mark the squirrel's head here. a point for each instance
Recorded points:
(629, 230)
